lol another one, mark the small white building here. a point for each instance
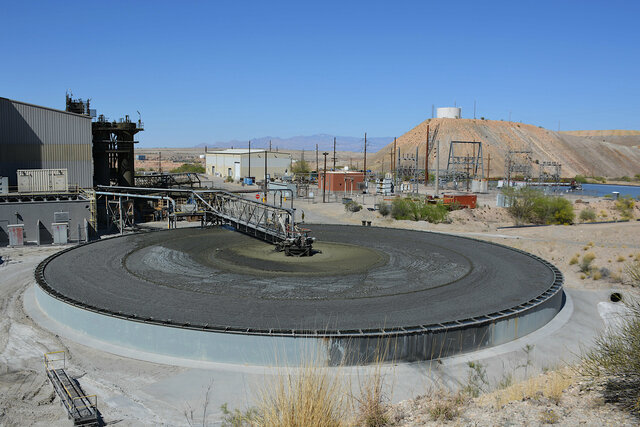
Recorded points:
(238, 163)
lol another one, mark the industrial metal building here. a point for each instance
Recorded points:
(240, 163)
(35, 137)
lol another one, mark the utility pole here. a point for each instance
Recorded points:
(364, 175)
(269, 145)
(393, 164)
(437, 168)
(426, 161)
(266, 183)
(160, 161)
(334, 153)
(324, 177)
(249, 171)
(415, 172)
(365, 156)
(317, 170)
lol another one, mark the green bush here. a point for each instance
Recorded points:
(587, 214)
(301, 167)
(189, 168)
(401, 209)
(528, 205)
(625, 205)
(417, 210)
(352, 206)
(587, 259)
(384, 209)
(580, 179)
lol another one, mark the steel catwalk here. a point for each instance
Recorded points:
(431, 294)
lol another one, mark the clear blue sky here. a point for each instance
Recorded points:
(202, 72)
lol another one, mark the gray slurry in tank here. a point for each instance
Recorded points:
(365, 277)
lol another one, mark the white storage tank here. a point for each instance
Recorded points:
(42, 181)
(449, 112)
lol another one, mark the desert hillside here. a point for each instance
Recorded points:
(592, 153)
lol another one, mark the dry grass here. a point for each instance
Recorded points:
(371, 403)
(549, 385)
(573, 260)
(311, 395)
(632, 269)
(616, 359)
(445, 406)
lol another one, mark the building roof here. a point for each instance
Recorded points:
(342, 172)
(242, 151)
(47, 108)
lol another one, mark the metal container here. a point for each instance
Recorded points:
(60, 233)
(42, 181)
(16, 234)
(4, 185)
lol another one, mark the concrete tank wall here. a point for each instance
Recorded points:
(449, 113)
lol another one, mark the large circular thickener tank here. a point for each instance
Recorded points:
(370, 293)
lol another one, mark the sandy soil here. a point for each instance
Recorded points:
(577, 154)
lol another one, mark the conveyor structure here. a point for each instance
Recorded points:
(271, 223)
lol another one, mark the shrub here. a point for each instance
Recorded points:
(300, 167)
(620, 258)
(573, 260)
(477, 382)
(633, 271)
(228, 179)
(189, 167)
(587, 214)
(616, 358)
(587, 259)
(624, 205)
(417, 210)
(400, 209)
(580, 179)
(385, 209)
(445, 406)
(352, 206)
(528, 205)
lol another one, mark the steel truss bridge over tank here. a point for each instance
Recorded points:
(274, 224)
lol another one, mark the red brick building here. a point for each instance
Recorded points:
(349, 181)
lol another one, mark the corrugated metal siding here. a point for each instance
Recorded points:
(33, 137)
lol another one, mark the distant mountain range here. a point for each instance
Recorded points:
(324, 141)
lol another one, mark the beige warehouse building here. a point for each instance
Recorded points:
(239, 163)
